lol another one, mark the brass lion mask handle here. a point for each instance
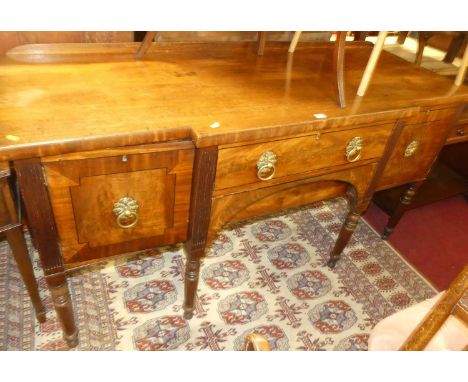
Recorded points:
(354, 149)
(266, 165)
(126, 210)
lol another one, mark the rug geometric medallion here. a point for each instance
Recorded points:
(267, 276)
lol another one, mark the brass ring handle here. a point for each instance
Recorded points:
(411, 148)
(266, 168)
(354, 149)
(126, 210)
(266, 172)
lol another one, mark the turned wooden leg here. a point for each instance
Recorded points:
(338, 68)
(203, 177)
(192, 272)
(41, 222)
(343, 238)
(405, 200)
(62, 302)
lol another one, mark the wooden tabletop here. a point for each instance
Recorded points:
(69, 97)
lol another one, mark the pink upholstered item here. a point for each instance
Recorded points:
(391, 333)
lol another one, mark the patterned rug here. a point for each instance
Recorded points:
(267, 276)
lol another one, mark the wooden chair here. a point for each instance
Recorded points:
(338, 59)
(338, 63)
(149, 37)
(459, 41)
(444, 325)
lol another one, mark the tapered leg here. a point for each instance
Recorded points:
(204, 172)
(13, 230)
(41, 221)
(405, 200)
(343, 238)
(20, 253)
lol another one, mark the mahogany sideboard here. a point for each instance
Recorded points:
(448, 177)
(114, 155)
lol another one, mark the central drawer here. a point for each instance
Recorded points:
(247, 164)
(120, 200)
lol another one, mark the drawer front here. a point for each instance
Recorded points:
(247, 164)
(129, 200)
(444, 115)
(458, 133)
(242, 205)
(413, 155)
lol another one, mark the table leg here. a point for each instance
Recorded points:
(20, 253)
(204, 172)
(192, 273)
(343, 238)
(42, 224)
(19, 249)
(402, 207)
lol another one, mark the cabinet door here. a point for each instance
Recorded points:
(416, 149)
(122, 200)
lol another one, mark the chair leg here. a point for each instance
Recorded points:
(338, 67)
(462, 70)
(423, 37)
(371, 64)
(294, 41)
(360, 35)
(148, 39)
(402, 37)
(261, 40)
(455, 45)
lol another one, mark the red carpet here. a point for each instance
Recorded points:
(433, 238)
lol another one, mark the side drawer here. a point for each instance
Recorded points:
(413, 155)
(458, 133)
(121, 200)
(240, 165)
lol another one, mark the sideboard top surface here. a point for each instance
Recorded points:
(72, 97)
